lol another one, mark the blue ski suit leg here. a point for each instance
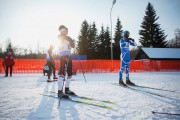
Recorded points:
(125, 64)
(125, 56)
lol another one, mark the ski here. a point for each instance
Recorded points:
(150, 88)
(88, 98)
(155, 88)
(165, 113)
(141, 91)
(146, 92)
(79, 101)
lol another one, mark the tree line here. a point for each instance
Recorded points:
(97, 45)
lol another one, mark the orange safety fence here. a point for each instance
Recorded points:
(94, 66)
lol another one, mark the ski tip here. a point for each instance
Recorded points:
(109, 107)
(110, 102)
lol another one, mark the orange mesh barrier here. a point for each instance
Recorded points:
(1, 67)
(94, 66)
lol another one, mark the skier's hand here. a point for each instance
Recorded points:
(72, 44)
(131, 39)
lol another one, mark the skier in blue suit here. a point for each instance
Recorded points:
(125, 58)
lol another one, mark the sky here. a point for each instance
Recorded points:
(29, 23)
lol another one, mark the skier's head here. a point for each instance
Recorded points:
(63, 30)
(126, 33)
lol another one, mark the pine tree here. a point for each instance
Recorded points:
(82, 47)
(93, 41)
(9, 47)
(151, 34)
(107, 44)
(101, 44)
(118, 35)
(104, 49)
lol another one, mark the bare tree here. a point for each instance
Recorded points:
(175, 42)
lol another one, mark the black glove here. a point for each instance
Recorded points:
(72, 44)
(131, 39)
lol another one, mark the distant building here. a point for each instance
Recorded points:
(158, 54)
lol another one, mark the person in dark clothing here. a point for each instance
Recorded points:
(8, 62)
(51, 64)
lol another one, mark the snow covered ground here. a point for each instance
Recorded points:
(20, 97)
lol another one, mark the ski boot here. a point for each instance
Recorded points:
(128, 82)
(62, 95)
(49, 80)
(55, 78)
(69, 92)
(121, 83)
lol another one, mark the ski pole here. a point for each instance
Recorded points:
(62, 90)
(81, 68)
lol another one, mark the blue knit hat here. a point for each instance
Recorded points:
(125, 32)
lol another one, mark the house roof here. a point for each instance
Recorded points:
(165, 53)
